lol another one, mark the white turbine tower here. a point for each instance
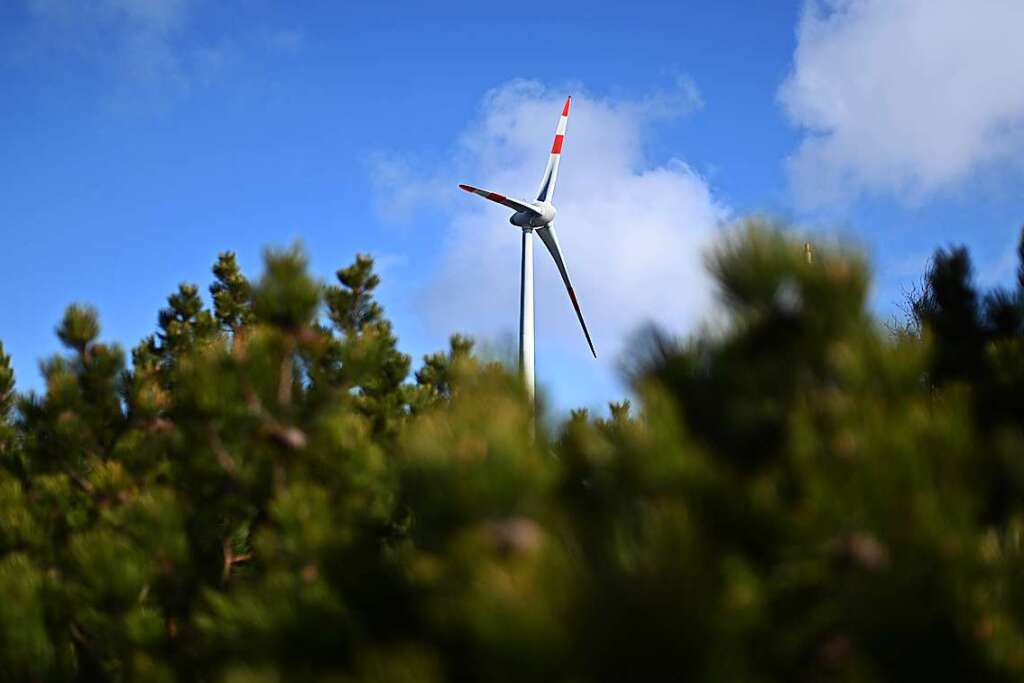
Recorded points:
(537, 216)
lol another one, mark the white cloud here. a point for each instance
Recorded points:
(138, 40)
(633, 233)
(904, 97)
(152, 14)
(161, 16)
(147, 45)
(402, 191)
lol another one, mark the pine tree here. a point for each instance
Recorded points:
(351, 306)
(80, 416)
(976, 342)
(185, 324)
(439, 373)
(232, 294)
(7, 400)
(6, 387)
(367, 359)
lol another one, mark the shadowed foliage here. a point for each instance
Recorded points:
(267, 493)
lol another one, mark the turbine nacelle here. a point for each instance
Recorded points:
(538, 217)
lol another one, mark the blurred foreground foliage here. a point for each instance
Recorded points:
(263, 493)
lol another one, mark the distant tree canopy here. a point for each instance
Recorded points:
(265, 493)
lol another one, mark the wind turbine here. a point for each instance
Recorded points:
(537, 216)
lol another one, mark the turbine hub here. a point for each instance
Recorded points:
(547, 214)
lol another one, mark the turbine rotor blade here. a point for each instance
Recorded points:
(550, 238)
(510, 202)
(547, 183)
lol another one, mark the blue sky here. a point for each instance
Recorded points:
(142, 137)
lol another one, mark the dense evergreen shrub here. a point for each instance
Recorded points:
(264, 494)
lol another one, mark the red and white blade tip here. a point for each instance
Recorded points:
(493, 196)
(565, 109)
